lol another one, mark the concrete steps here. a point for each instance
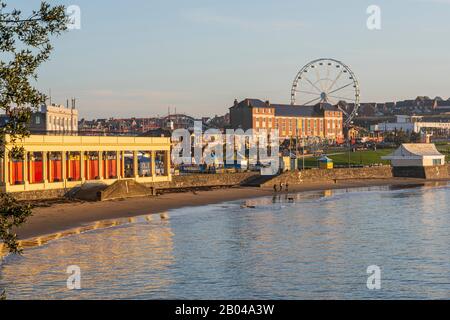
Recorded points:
(125, 189)
(87, 191)
(118, 190)
(257, 181)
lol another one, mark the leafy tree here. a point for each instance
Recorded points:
(415, 137)
(24, 46)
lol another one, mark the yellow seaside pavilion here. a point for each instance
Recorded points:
(62, 162)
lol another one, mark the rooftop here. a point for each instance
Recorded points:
(414, 150)
(288, 110)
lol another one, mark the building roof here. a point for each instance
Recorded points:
(443, 103)
(288, 110)
(158, 132)
(406, 104)
(414, 151)
(325, 159)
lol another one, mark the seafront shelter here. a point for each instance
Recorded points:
(64, 162)
(416, 155)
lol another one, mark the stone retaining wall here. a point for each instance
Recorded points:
(185, 181)
(323, 175)
(292, 177)
(40, 194)
(436, 172)
(205, 180)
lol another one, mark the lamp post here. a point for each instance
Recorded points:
(303, 151)
(349, 150)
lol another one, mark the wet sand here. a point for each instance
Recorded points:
(64, 216)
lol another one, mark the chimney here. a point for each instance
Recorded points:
(235, 102)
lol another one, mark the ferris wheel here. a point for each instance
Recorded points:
(327, 81)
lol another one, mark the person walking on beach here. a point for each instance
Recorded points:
(275, 188)
(286, 187)
(281, 186)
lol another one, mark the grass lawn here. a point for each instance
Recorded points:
(340, 157)
(356, 158)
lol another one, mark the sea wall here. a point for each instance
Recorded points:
(205, 180)
(324, 175)
(39, 194)
(184, 181)
(437, 172)
(434, 172)
(291, 177)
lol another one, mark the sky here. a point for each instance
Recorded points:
(137, 58)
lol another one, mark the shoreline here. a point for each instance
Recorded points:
(75, 217)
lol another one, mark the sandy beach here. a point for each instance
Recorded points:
(64, 216)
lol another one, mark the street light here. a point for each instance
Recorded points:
(303, 151)
(349, 149)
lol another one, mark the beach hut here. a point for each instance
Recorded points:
(325, 163)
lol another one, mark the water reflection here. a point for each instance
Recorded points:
(42, 240)
(306, 245)
(109, 259)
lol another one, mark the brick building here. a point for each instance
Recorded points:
(322, 120)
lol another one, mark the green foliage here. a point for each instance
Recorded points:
(13, 213)
(367, 157)
(415, 137)
(24, 46)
